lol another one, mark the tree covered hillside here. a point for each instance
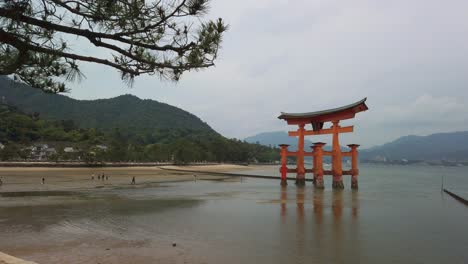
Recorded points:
(127, 112)
(21, 134)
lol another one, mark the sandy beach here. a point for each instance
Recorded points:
(29, 179)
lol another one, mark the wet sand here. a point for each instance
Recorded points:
(65, 185)
(20, 179)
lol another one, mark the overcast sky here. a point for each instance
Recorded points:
(408, 57)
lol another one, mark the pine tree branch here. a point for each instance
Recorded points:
(16, 64)
(11, 14)
(22, 45)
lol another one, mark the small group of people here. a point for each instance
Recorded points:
(106, 177)
(101, 177)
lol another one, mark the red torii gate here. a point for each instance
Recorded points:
(317, 120)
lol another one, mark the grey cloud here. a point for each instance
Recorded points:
(410, 58)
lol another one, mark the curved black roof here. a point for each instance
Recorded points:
(356, 106)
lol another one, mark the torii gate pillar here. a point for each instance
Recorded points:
(300, 177)
(337, 169)
(318, 164)
(354, 167)
(284, 161)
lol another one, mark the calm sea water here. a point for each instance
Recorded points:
(398, 215)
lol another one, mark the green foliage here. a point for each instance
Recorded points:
(180, 145)
(131, 114)
(10, 151)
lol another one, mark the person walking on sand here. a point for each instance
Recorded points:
(1, 182)
(43, 180)
(133, 180)
(99, 176)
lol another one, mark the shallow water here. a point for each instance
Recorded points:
(397, 216)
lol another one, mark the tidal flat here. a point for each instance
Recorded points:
(398, 215)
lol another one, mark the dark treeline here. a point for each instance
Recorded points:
(20, 132)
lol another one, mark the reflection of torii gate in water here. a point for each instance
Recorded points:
(317, 120)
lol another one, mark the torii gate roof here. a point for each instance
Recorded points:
(340, 113)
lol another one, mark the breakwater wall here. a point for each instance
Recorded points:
(232, 174)
(456, 197)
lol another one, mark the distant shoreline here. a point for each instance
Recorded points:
(61, 164)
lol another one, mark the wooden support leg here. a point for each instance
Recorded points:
(300, 178)
(314, 164)
(318, 170)
(284, 168)
(354, 166)
(336, 159)
(354, 182)
(319, 182)
(338, 181)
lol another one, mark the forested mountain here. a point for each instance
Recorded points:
(131, 129)
(127, 112)
(20, 134)
(442, 146)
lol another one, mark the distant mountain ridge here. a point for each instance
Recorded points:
(275, 138)
(126, 111)
(451, 146)
(280, 137)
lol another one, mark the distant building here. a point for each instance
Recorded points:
(39, 147)
(50, 151)
(101, 147)
(380, 158)
(38, 151)
(41, 151)
(69, 150)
